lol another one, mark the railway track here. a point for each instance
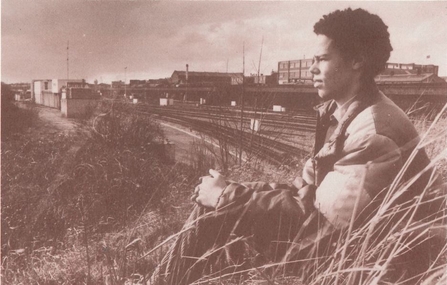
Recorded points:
(224, 126)
(297, 122)
(274, 151)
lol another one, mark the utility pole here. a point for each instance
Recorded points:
(260, 56)
(242, 103)
(68, 73)
(185, 98)
(125, 79)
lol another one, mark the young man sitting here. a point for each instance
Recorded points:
(362, 141)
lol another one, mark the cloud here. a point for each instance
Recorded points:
(155, 38)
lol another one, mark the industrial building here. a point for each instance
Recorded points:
(262, 79)
(205, 78)
(294, 71)
(297, 71)
(409, 68)
(71, 96)
(118, 84)
(48, 92)
(403, 73)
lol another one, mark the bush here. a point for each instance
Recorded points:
(88, 183)
(14, 119)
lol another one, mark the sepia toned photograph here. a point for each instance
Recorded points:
(223, 142)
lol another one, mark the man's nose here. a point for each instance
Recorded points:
(313, 68)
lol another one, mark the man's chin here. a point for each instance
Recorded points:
(323, 95)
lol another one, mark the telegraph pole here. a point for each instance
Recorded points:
(125, 79)
(242, 103)
(68, 73)
(260, 56)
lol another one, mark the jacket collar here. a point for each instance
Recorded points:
(338, 137)
(327, 107)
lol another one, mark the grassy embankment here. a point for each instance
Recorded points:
(82, 207)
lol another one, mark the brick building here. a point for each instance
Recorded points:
(297, 71)
(294, 71)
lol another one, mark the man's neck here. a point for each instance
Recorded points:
(357, 88)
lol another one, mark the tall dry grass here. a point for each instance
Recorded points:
(82, 208)
(399, 244)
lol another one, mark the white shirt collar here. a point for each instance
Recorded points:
(341, 110)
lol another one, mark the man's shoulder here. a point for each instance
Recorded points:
(383, 117)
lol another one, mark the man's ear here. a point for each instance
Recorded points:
(358, 62)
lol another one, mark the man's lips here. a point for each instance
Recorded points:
(317, 83)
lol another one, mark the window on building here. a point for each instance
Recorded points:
(46, 85)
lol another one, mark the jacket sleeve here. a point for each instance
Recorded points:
(266, 196)
(368, 164)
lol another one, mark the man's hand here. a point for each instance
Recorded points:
(208, 192)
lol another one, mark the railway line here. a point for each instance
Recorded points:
(298, 121)
(269, 149)
(223, 125)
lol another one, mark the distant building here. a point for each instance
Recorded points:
(408, 73)
(206, 78)
(104, 86)
(408, 78)
(297, 71)
(99, 86)
(19, 87)
(262, 79)
(21, 90)
(118, 84)
(409, 68)
(137, 83)
(78, 101)
(294, 71)
(158, 82)
(48, 92)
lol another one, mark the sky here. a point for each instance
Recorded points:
(128, 39)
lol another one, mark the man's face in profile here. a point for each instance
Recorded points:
(332, 75)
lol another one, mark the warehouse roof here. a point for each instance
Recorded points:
(208, 74)
(414, 78)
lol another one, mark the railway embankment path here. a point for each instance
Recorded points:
(51, 121)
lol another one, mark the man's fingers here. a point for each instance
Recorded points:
(214, 173)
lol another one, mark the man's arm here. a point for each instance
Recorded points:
(215, 193)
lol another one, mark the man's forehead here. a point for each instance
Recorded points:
(323, 45)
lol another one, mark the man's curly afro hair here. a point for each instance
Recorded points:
(358, 33)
